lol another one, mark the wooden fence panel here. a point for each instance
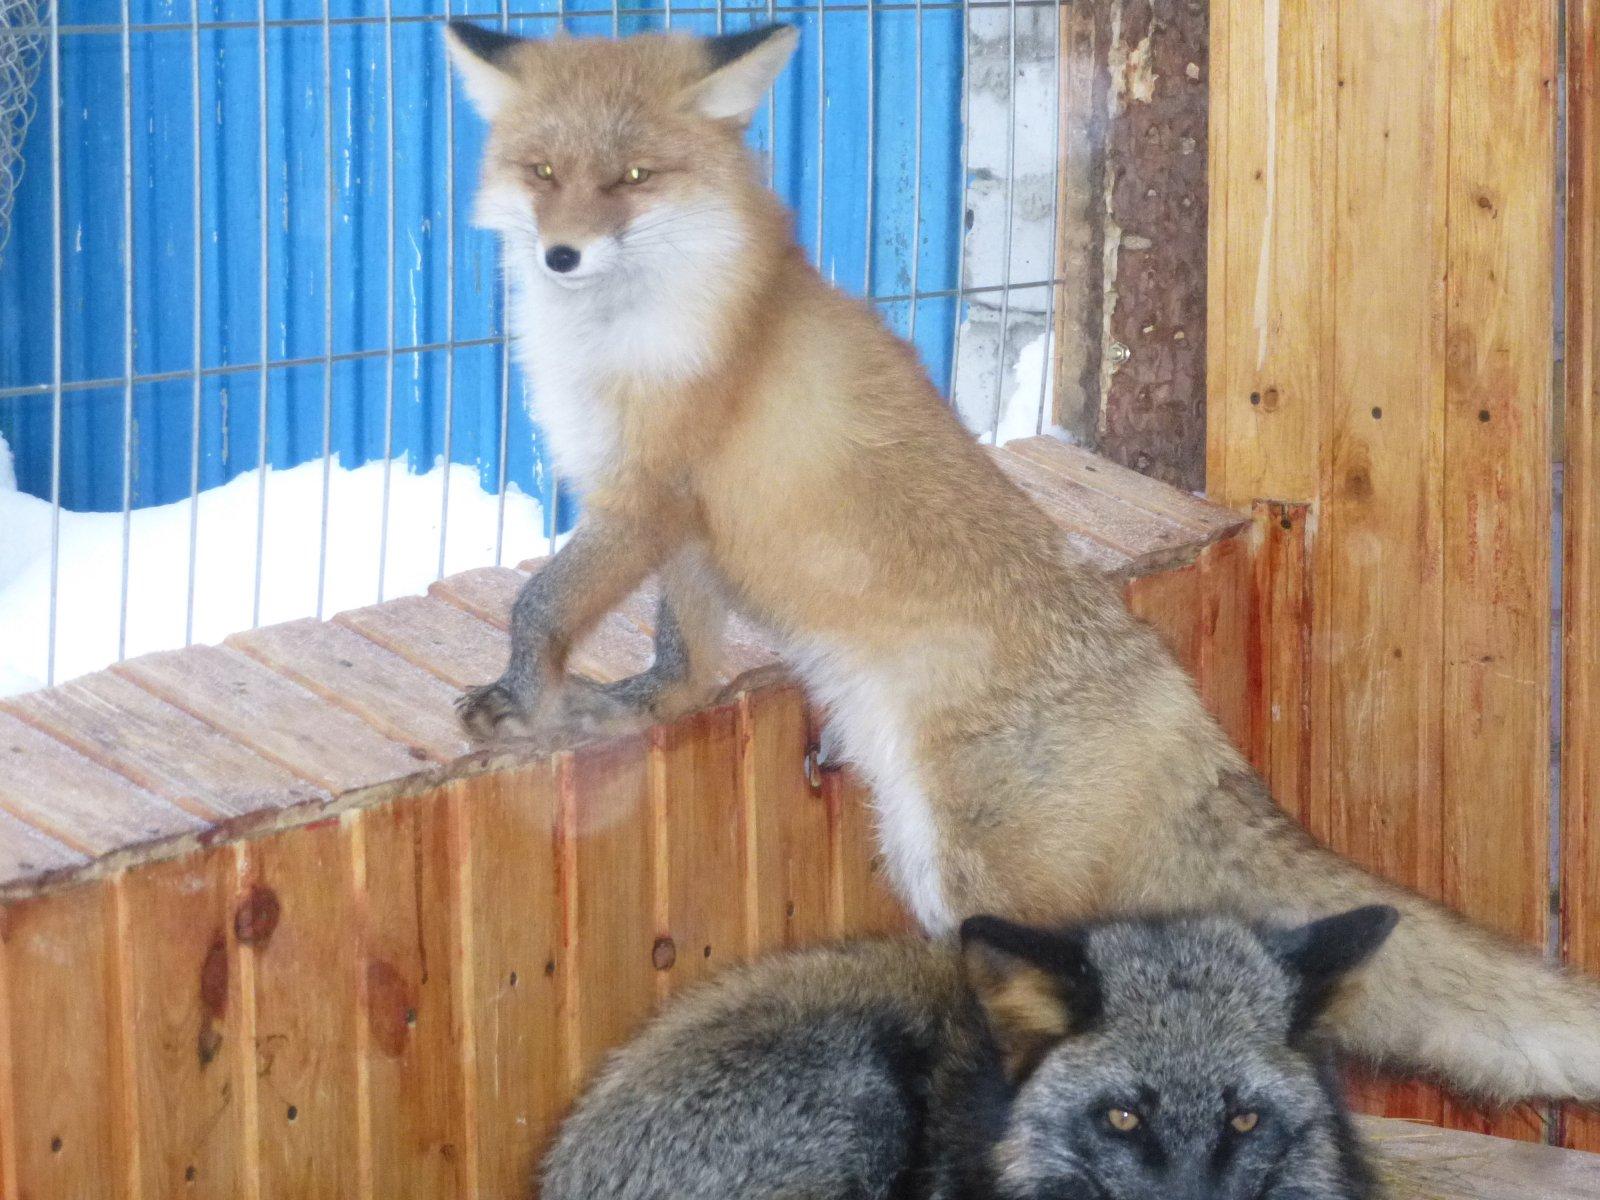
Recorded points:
(1496, 484)
(1580, 742)
(408, 873)
(187, 1029)
(787, 896)
(700, 822)
(65, 1126)
(296, 921)
(514, 969)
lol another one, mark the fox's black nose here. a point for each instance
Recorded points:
(561, 258)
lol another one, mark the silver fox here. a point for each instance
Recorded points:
(1160, 1059)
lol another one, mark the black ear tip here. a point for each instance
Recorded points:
(1378, 920)
(726, 47)
(488, 44)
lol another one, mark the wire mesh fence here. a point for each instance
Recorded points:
(253, 365)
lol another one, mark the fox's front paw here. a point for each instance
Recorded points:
(490, 711)
(657, 697)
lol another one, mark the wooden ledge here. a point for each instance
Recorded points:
(282, 725)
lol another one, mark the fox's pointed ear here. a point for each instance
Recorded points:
(482, 57)
(1321, 953)
(1036, 987)
(742, 66)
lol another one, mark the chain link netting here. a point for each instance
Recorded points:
(21, 52)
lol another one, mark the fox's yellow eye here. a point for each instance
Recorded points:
(544, 171)
(1122, 1120)
(636, 175)
(1245, 1122)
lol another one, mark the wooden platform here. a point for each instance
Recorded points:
(270, 928)
(282, 725)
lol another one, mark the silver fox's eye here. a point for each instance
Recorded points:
(636, 175)
(1245, 1122)
(544, 171)
(1122, 1120)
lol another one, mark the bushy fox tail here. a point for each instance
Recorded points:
(1443, 998)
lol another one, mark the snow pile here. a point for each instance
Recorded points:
(8, 468)
(89, 578)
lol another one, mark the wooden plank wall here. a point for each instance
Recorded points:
(1580, 742)
(399, 1001)
(1381, 356)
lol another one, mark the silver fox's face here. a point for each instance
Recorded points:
(1166, 1061)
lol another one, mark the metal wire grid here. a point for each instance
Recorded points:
(57, 387)
(21, 41)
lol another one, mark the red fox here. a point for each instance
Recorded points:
(764, 443)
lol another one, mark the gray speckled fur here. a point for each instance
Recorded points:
(873, 1070)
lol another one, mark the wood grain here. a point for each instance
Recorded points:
(514, 973)
(1580, 631)
(1281, 727)
(1270, 302)
(435, 635)
(401, 701)
(865, 899)
(163, 749)
(414, 1078)
(789, 887)
(1500, 357)
(1380, 561)
(275, 717)
(187, 1025)
(608, 856)
(700, 823)
(63, 1123)
(295, 919)
(78, 803)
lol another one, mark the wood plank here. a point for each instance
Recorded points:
(789, 885)
(399, 700)
(164, 750)
(1380, 525)
(275, 717)
(607, 852)
(1496, 489)
(1167, 602)
(515, 972)
(865, 900)
(1419, 1163)
(1272, 222)
(700, 823)
(1281, 726)
(296, 921)
(1100, 520)
(406, 870)
(1225, 619)
(187, 1021)
(63, 1122)
(76, 802)
(1168, 505)
(28, 854)
(614, 649)
(435, 635)
(1580, 631)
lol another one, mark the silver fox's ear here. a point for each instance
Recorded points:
(482, 57)
(1035, 987)
(742, 67)
(1321, 953)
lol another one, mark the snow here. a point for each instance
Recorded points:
(89, 579)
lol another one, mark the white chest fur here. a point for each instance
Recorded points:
(650, 324)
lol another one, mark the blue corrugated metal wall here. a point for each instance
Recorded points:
(299, 114)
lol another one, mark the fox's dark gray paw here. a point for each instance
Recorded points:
(490, 711)
(638, 692)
